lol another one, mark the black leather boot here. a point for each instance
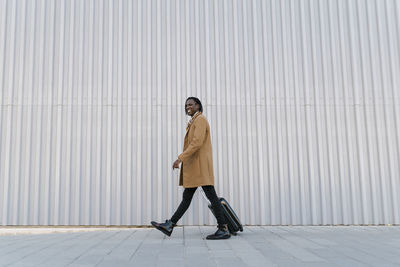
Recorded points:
(221, 233)
(166, 227)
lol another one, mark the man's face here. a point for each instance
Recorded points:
(191, 107)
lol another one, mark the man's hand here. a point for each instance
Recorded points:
(176, 164)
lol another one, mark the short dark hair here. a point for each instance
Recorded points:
(195, 99)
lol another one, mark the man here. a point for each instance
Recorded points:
(196, 170)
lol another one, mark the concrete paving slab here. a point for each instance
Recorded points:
(256, 246)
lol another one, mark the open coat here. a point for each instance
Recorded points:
(197, 165)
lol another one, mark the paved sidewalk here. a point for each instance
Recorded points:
(256, 246)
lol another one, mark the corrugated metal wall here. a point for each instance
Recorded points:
(302, 98)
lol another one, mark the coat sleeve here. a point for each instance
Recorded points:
(197, 141)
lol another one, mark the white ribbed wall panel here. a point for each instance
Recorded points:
(302, 97)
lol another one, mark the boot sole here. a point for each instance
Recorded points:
(219, 238)
(162, 230)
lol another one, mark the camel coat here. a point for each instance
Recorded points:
(197, 165)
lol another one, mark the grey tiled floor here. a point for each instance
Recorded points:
(256, 246)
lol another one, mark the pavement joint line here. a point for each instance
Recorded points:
(339, 252)
(118, 245)
(137, 249)
(352, 238)
(25, 256)
(30, 238)
(95, 245)
(212, 258)
(44, 260)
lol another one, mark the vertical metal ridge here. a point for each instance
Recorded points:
(258, 100)
(286, 168)
(139, 116)
(344, 191)
(363, 141)
(3, 153)
(91, 101)
(8, 108)
(19, 68)
(3, 47)
(333, 113)
(159, 62)
(391, 32)
(384, 70)
(374, 82)
(238, 83)
(250, 177)
(129, 87)
(148, 117)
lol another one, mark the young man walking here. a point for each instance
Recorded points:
(196, 170)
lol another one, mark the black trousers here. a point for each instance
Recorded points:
(187, 198)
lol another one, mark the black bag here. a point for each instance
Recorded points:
(234, 224)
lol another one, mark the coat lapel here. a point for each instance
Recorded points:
(190, 124)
